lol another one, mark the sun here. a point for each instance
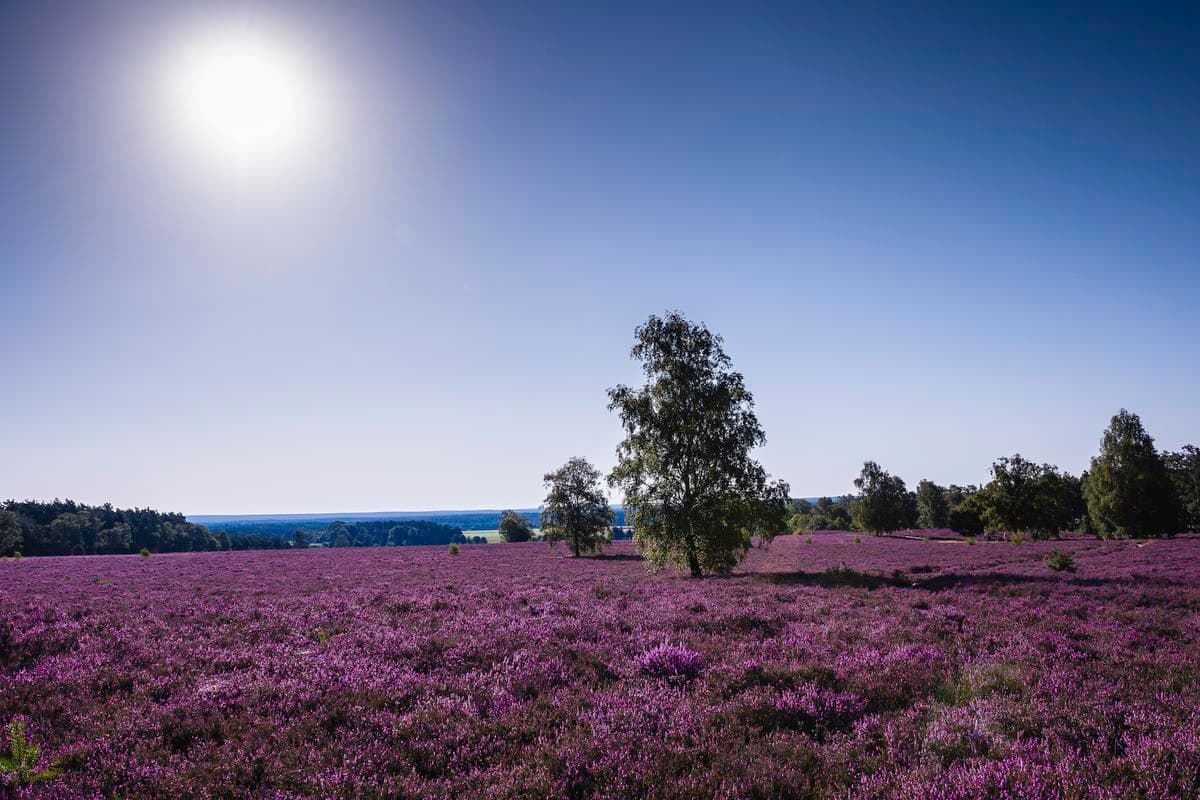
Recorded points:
(242, 97)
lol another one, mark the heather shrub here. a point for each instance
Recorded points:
(984, 679)
(957, 733)
(389, 672)
(671, 661)
(1060, 561)
(893, 679)
(810, 708)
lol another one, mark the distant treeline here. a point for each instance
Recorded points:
(1129, 489)
(64, 527)
(381, 533)
(284, 528)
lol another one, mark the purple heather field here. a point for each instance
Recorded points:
(885, 668)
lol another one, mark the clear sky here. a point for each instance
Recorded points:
(931, 234)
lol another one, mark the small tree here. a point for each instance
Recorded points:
(515, 527)
(882, 506)
(698, 497)
(932, 511)
(1129, 490)
(575, 509)
(21, 765)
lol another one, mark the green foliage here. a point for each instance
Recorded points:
(684, 467)
(1129, 490)
(453, 549)
(11, 536)
(1029, 499)
(965, 516)
(515, 527)
(64, 527)
(144, 552)
(826, 514)
(1060, 560)
(1184, 469)
(883, 505)
(932, 509)
(575, 510)
(20, 767)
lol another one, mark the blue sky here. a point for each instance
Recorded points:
(932, 234)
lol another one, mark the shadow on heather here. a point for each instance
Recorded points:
(836, 577)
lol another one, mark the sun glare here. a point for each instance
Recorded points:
(242, 98)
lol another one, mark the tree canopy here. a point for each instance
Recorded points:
(515, 527)
(826, 514)
(1184, 468)
(883, 504)
(685, 466)
(1129, 490)
(1028, 498)
(575, 510)
(932, 509)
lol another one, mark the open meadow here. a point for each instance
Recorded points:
(883, 668)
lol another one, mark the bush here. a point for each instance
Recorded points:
(144, 552)
(515, 527)
(453, 549)
(1060, 561)
(670, 661)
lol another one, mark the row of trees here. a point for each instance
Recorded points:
(64, 527)
(381, 533)
(1130, 489)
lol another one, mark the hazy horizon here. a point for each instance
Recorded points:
(930, 237)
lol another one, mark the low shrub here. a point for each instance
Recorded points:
(453, 549)
(144, 552)
(671, 661)
(1060, 561)
(20, 767)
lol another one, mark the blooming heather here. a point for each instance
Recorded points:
(886, 669)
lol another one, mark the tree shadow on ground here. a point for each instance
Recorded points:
(615, 557)
(834, 578)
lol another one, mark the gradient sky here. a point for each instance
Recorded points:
(931, 234)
